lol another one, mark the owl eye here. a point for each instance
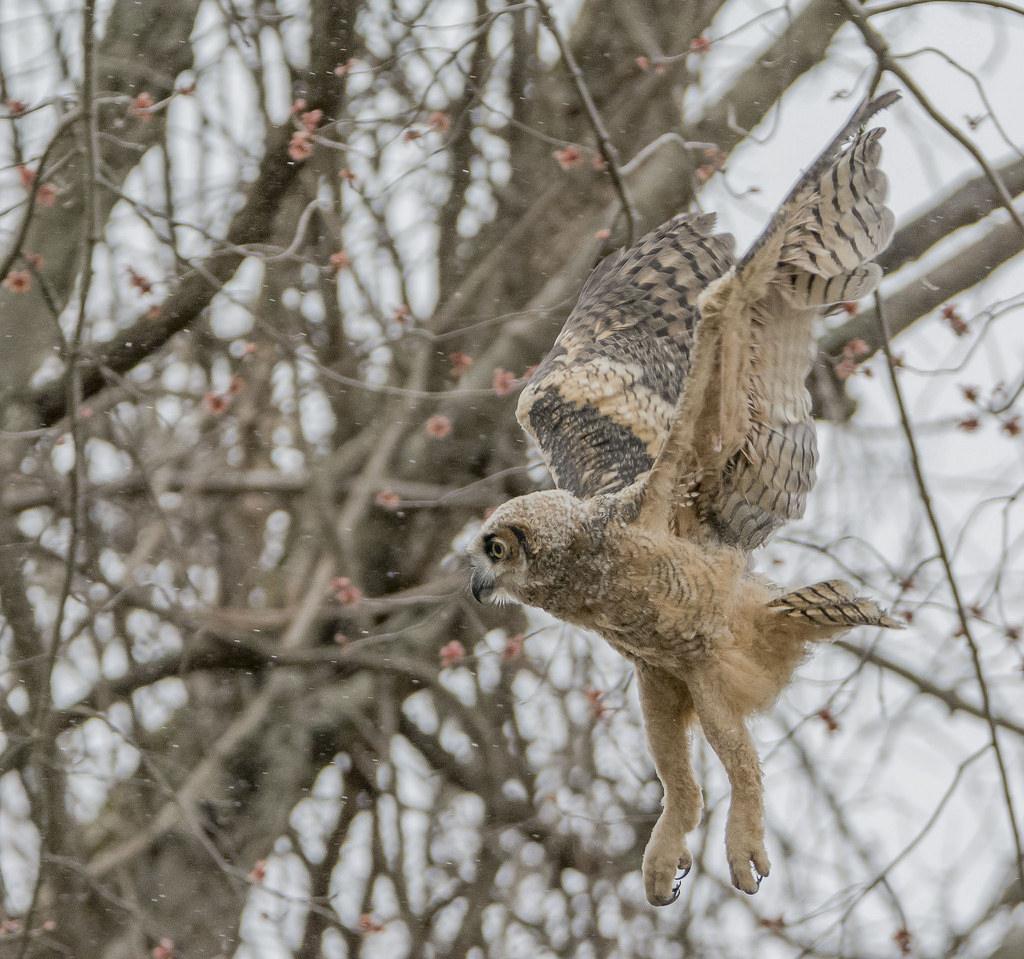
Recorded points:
(495, 549)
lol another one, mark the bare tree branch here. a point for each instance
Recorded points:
(954, 589)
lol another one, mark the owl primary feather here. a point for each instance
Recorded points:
(673, 416)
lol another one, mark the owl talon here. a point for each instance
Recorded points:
(747, 870)
(684, 871)
(664, 871)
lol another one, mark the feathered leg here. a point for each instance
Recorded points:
(668, 713)
(727, 733)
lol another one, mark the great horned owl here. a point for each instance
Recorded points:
(673, 416)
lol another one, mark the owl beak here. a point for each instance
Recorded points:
(481, 584)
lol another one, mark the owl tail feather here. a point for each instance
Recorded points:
(834, 606)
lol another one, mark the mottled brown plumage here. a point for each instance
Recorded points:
(673, 415)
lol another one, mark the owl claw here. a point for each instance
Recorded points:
(677, 885)
(662, 890)
(748, 879)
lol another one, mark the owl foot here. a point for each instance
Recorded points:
(666, 865)
(740, 860)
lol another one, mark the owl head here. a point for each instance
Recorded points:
(526, 548)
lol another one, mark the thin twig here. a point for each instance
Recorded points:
(882, 875)
(608, 151)
(877, 43)
(903, 4)
(979, 88)
(243, 726)
(950, 697)
(14, 251)
(954, 589)
(73, 392)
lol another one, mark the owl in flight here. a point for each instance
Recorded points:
(673, 416)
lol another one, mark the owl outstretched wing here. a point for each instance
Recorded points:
(602, 401)
(742, 436)
(610, 391)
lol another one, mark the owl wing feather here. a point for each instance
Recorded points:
(743, 431)
(601, 403)
(672, 338)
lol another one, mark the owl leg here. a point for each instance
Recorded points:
(727, 733)
(668, 712)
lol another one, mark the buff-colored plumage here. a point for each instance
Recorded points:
(673, 415)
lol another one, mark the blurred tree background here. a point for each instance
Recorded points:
(271, 277)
